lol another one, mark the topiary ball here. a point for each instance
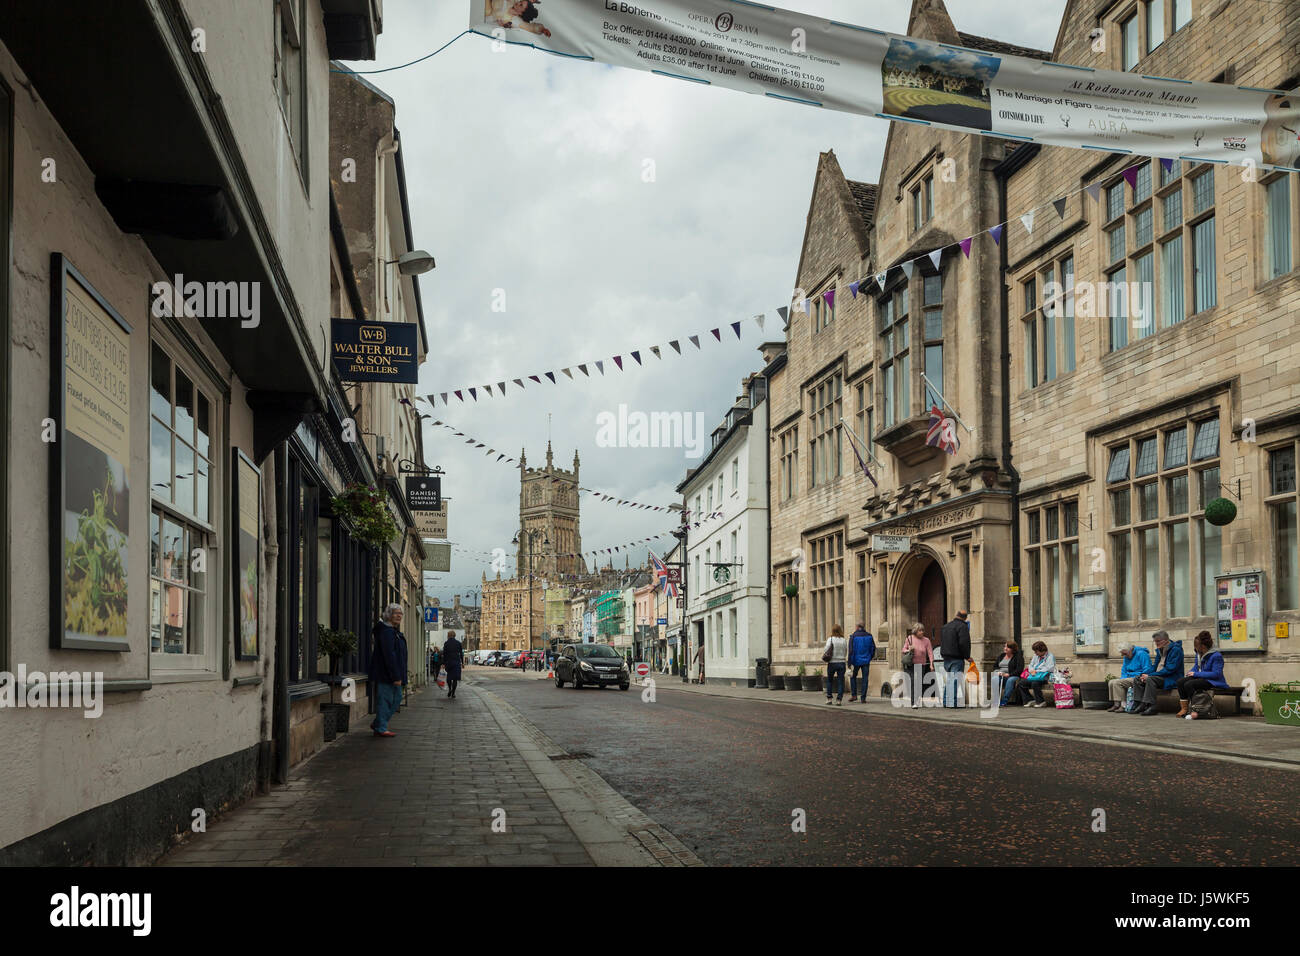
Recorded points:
(1220, 511)
(791, 590)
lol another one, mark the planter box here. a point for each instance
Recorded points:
(1094, 695)
(793, 682)
(812, 681)
(776, 682)
(1282, 706)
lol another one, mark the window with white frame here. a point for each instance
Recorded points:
(894, 354)
(932, 332)
(1164, 553)
(1278, 219)
(1052, 562)
(923, 202)
(184, 555)
(1282, 503)
(735, 475)
(826, 407)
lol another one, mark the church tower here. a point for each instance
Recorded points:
(548, 503)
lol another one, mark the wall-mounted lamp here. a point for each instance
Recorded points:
(415, 263)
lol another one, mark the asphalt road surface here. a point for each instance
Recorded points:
(728, 776)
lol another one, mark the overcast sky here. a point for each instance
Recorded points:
(525, 174)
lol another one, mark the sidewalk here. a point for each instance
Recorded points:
(1233, 739)
(430, 796)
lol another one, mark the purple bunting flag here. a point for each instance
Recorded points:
(965, 246)
(996, 233)
(735, 327)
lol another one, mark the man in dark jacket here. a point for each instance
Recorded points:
(452, 656)
(954, 645)
(388, 668)
(862, 649)
(1168, 672)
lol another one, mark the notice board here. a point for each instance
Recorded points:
(1240, 611)
(1090, 628)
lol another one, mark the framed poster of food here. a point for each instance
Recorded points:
(90, 465)
(246, 553)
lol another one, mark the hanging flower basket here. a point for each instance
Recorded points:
(363, 508)
(1220, 511)
(791, 590)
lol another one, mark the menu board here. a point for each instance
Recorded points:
(90, 503)
(1240, 611)
(248, 521)
(1090, 628)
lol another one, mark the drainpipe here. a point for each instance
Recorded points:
(1002, 172)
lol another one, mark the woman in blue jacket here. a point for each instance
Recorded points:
(1207, 673)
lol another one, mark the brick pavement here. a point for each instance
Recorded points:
(427, 798)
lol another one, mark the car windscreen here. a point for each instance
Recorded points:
(597, 650)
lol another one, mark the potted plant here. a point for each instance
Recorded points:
(795, 681)
(364, 510)
(791, 590)
(335, 645)
(1095, 695)
(809, 681)
(1281, 703)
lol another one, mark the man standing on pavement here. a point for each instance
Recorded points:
(954, 645)
(388, 668)
(1167, 668)
(451, 660)
(862, 648)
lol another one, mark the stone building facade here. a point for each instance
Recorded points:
(1161, 370)
(548, 509)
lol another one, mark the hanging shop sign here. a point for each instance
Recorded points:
(437, 557)
(90, 483)
(432, 524)
(900, 544)
(424, 492)
(1240, 611)
(375, 351)
(246, 495)
(838, 66)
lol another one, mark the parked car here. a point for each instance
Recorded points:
(507, 659)
(595, 664)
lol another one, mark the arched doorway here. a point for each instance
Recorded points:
(932, 601)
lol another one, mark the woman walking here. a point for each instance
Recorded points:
(451, 659)
(836, 656)
(918, 659)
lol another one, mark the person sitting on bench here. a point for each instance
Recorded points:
(1037, 676)
(1207, 674)
(1136, 663)
(1168, 669)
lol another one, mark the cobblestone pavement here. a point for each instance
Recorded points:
(430, 796)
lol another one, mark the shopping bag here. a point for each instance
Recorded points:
(972, 674)
(1064, 696)
(442, 678)
(1128, 700)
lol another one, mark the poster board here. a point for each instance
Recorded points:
(1239, 611)
(90, 466)
(1091, 632)
(246, 510)
(437, 557)
(432, 524)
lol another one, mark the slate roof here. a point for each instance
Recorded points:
(864, 196)
(999, 48)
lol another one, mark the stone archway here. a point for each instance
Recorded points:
(920, 572)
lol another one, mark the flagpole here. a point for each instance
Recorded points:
(945, 404)
(858, 440)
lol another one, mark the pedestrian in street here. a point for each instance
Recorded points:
(836, 656)
(1167, 669)
(699, 659)
(1007, 675)
(862, 650)
(918, 658)
(1137, 661)
(1207, 674)
(954, 645)
(1037, 676)
(387, 668)
(437, 662)
(451, 659)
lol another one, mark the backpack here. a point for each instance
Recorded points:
(1203, 705)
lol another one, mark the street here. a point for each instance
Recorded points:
(726, 777)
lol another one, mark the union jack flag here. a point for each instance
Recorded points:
(942, 432)
(661, 575)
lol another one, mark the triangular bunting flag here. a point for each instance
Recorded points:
(784, 313)
(460, 396)
(488, 390)
(473, 393)
(1167, 165)
(600, 366)
(907, 269)
(936, 256)
(501, 387)
(695, 340)
(735, 327)
(655, 349)
(499, 457)
(760, 319)
(1131, 177)
(853, 289)
(807, 306)
(829, 297)
(637, 356)
(583, 370)
(676, 346)
(996, 233)
(551, 376)
(536, 379)
(567, 373)
(716, 334)
(444, 398)
(618, 360)
(1027, 220)
(965, 246)
(519, 382)
(1059, 206)
(880, 279)
(1093, 191)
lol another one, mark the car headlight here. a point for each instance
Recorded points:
(586, 666)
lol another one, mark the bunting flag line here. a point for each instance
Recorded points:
(1027, 220)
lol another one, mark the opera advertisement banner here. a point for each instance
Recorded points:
(90, 477)
(839, 66)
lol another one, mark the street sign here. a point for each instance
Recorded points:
(430, 615)
(898, 543)
(674, 575)
(662, 621)
(424, 492)
(642, 669)
(375, 351)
